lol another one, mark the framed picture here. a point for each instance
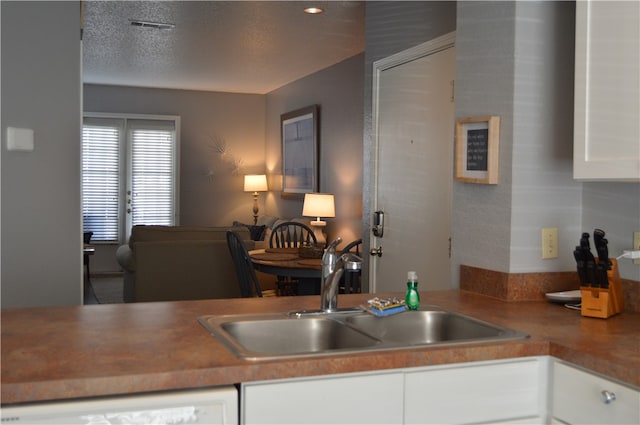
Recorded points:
(300, 151)
(477, 157)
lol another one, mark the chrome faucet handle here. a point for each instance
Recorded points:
(331, 273)
(332, 246)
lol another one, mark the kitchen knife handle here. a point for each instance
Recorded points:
(601, 273)
(582, 274)
(590, 267)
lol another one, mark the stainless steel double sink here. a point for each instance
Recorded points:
(278, 335)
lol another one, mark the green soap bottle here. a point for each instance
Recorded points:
(412, 299)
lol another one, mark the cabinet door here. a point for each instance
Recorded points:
(607, 91)
(476, 393)
(578, 398)
(350, 399)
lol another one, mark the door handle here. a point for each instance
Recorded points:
(378, 224)
(374, 251)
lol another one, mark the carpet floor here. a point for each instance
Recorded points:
(108, 289)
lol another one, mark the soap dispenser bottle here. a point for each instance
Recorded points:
(412, 299)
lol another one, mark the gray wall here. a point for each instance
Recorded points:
(41, 235)
(211, 192)
(338, 90)
(211, 189)
(614, 208)
(515, 60)
(522, 70)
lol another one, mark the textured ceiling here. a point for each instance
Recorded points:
(229, 46)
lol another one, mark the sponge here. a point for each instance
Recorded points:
(385, 306)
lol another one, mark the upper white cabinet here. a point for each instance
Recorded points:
(607, 91)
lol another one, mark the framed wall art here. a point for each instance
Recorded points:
(477, 140)
(300, 151)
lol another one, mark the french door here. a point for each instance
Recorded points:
(129, 173)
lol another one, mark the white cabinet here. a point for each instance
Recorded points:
(461, 393)
(478, 392)
(370, 398)
(607, 91)
(579, 397)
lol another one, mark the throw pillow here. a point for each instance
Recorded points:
(256, 233)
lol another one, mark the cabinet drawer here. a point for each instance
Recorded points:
(578, 398)
(483, 393)
(349, 399)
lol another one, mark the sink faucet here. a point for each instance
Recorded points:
(333, 267)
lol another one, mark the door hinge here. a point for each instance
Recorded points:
(449, 247)
(452, 83)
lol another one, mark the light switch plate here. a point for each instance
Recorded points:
(19, 139)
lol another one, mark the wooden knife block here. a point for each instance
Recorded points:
(604, 302)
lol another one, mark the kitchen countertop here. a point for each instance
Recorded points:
(71, 352)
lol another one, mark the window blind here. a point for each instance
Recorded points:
(101, 179)
(127, 180)
(153, 172)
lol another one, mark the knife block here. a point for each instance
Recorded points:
(603, 302)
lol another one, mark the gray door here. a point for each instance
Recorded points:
(414, 113)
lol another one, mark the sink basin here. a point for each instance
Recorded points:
(428, 327)
(269, 336)
(266, 336)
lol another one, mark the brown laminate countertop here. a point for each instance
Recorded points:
(72, 352)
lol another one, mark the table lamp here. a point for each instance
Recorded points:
(319, 205)
(255, 183)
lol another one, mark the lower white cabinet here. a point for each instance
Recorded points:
(497, 391)
(528, 390)
(478, 392)
(579, 397)
(370, 398)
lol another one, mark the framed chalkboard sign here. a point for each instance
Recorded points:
(477, 141)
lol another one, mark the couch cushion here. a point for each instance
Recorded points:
(150, 233)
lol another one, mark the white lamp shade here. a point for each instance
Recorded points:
(318, 205)
(255, 183)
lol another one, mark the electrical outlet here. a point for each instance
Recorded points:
(636, 244)
(549, 242)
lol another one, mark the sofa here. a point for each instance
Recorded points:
(169, 263)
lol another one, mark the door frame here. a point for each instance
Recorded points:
(428, 48)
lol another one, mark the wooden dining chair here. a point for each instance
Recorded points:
(247, 278)
(290, 234)
(350, 281)
(86, 239)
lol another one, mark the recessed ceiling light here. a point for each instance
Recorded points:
(313, 10)
(149, 24)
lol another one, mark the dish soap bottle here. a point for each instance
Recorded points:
(412, 299)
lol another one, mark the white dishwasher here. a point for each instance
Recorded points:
(205, 406)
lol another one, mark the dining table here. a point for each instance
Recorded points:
(288, 262)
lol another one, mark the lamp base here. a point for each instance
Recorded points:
(321, 238)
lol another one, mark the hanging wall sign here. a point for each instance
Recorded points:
(477, 149)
